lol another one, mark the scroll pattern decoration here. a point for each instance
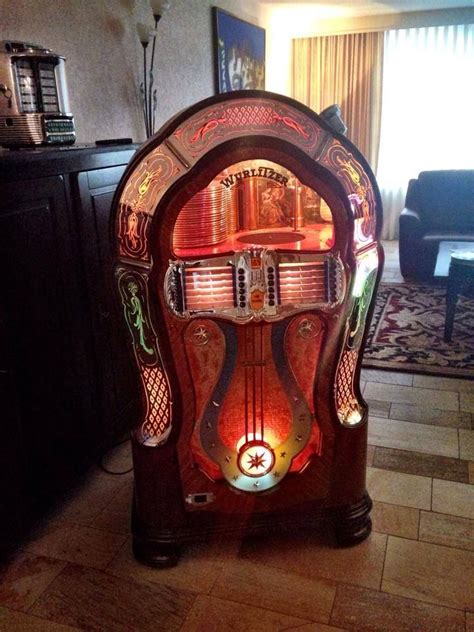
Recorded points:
(155, 426)
(139, 200)
(349, 409)
(358, 188)
(208, 128)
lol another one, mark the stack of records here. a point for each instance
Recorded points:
(203, 221)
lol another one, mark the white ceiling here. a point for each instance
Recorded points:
(352, 8)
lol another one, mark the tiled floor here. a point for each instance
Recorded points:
(415, 572)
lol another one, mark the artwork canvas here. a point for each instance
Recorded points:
(239, 53)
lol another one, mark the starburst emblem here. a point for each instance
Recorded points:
(308, 329)
(201, 336)
(256, 460)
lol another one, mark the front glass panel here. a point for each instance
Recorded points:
(27, 86)
(253, 203)
(37, 89)
(47, 81)
(255, 244)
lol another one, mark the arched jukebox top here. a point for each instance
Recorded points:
(247, 256)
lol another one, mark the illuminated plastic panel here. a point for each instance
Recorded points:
(253, 285)
(208, 287)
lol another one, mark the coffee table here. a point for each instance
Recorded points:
(445, 250)
(460, 281)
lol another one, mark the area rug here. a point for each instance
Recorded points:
(407, 330)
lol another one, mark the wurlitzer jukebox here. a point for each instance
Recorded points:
(247, 252)
(34, 104)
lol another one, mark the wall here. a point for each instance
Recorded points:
(286, 22)
(104, 56)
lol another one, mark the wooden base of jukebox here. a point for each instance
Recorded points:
(247, 264)
(162, 520)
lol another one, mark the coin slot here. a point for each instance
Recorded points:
(200, 499)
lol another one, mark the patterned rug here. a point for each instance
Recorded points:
(407, 330)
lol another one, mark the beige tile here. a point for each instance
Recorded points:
(395, 520)
(403, 435)
(360, 609)
(370, 455)
(453, 498)
(93, 600)
(447, 530)
(387, 377)
(310, 557)
(119, 459)
(199, 566)
(24, 579)
(378, 409)
(432, 416)
(116, 516)
(275, 589)
(87, 500)
(12, 621)
(444, 400)
(210, 614)
(390, 247)
(75, 543)
(466, 444)
(467, 402)
(428, 572)
(443, 467)
(444, 383)
(399, 489)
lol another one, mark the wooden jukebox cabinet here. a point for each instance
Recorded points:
(247, 264)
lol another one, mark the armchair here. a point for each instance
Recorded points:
(439, 206)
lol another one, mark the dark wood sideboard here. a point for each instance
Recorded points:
(67, 390)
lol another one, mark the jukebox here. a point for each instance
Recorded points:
(247, 260)
(34, 102)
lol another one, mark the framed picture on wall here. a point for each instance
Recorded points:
(239, 52)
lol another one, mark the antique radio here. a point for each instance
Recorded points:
(247, 308)
(34, 106)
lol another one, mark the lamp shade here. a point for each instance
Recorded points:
(145, 32)
(159, 6)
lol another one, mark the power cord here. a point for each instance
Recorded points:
(104, 468)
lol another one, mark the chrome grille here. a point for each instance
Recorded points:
(303, 283)
(209, 288)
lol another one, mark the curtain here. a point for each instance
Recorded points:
(347, 70)
(427, 109)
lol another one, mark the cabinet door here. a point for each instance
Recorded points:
(13, 459)
(116, 379)
(45, 332)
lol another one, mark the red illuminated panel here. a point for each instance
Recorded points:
(302, 283)
(256, 405)
(207, 288)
